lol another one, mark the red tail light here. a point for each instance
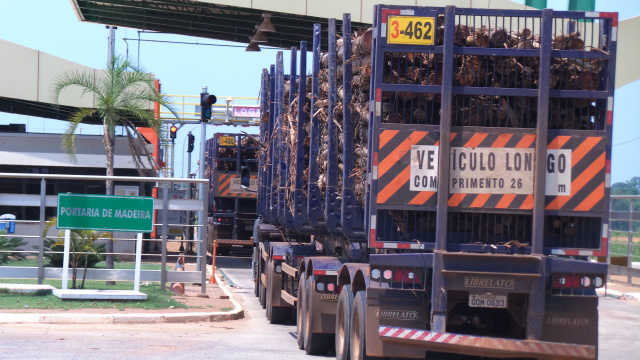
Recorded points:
(407, 276)
(567, 282)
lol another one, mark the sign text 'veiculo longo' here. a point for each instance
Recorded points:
(105, 212)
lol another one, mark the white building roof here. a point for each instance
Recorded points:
(27, 149)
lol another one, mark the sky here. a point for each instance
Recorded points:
(51, 26)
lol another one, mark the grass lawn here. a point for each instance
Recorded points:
(621, 249)
(156, 298)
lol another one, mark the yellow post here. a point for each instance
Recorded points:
(212, 280)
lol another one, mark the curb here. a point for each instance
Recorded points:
(136, 318)
(226, 278)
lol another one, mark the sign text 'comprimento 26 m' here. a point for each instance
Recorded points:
(105, 212)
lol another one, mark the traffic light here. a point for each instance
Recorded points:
(172, 131)
(206, 100)
(191, 139)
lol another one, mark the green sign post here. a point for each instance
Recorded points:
(105, 212)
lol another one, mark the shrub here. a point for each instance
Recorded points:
(7, 244)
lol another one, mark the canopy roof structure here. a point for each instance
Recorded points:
(229, 20)
(237, 20)
(234, 22)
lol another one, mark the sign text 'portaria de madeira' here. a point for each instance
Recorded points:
(105, 212)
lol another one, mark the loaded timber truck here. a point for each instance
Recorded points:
(232, 208)
(437, 183)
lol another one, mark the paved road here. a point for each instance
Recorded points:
(249, 338)
(619, 319)
(619, 329)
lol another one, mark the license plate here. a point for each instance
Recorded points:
(488, 301)
(414, 30)
(227, 140)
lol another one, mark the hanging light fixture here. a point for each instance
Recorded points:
(259, 36)
(252, 47)
(266, 25)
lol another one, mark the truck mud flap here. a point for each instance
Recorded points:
(291, 300)
(485, 346)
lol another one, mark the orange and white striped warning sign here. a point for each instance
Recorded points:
(394, 167)
(228, 185)
(489, 170)
(585, 189)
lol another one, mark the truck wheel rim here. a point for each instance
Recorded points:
(341, 332)
(355, 341)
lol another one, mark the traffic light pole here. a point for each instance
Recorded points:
(188, 196)
(173, 159)
(203, 215)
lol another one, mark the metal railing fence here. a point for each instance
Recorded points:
(32, 232)
(624, 238)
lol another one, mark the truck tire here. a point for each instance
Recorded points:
(223, 251)
(268, 291)
(343, 320)
(357, 328)
(314, 344)
(275, 314)
(301, 310)
(256, 271)
(262, 291)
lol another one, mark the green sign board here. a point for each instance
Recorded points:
(105, 212)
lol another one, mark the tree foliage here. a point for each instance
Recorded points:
(84, 249)
(629, 187)
(123, 94)
(9, 247)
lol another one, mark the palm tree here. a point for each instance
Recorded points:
(123, 93)
(83, 243)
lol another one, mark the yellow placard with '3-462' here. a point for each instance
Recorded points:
(414, 30)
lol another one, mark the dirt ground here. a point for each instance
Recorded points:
(625, 239)
(214, 303)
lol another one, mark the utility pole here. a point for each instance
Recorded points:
(112, 43)
(112, 135)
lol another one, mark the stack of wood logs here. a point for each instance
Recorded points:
(497, 72)
(230, 153)
(489, 71)
(359, 107)
(226, 153)
(290, 131)
(249, 142)
(360, 61)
